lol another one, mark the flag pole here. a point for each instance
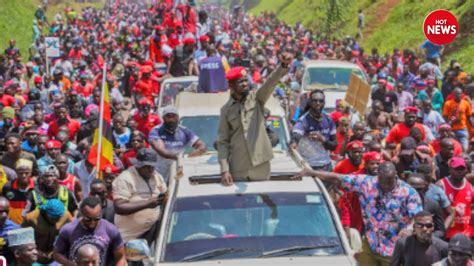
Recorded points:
(101, 119)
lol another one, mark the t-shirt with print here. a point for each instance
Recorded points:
(106, 237)
(313, 151)
(174, 142)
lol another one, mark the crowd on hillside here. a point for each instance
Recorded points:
(405, 167)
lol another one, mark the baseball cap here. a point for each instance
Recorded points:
(407, 146)
(460, 243)
(169, 110)
(456, 162)
(145, 157)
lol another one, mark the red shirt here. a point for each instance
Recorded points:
(69, 182)
(147, 87)
(126, 158)
(144, 125)
(72, 124)
(7, 100)
(401, 130)
(436, 144)
(351, 213)
(461, 199)
(85, 90)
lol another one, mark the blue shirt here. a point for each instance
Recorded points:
(174, 142)
(313, 151)
(4, 251)
(432, 50)
(26, 147)
(437, 195)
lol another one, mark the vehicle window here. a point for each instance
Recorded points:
(256, 222)
(330, 78)
(205, 127)
(276, 125)
(171, 90)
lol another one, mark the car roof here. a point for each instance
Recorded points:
(207, 167)
(210, 104)
(329, 63)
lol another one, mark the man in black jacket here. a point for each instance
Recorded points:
(421, 248)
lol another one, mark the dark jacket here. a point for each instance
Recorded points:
(404, 253)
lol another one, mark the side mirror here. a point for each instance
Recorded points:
(137, 250)
(355, 240)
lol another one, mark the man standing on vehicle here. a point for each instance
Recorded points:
(244, 148)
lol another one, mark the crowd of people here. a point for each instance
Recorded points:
(401, 174)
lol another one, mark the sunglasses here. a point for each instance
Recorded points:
(317, 100)
(428, 225)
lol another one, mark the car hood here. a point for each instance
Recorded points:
(322, 260)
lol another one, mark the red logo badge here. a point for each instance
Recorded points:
(440, 27)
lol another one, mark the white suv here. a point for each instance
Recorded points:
(279, 221)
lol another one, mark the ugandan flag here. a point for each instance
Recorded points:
(102, 148)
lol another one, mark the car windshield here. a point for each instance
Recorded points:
(330, 78)
(172, 89)
(250, 225)
(206, 127)
(276, 124)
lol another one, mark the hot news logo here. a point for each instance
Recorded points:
(440, 27)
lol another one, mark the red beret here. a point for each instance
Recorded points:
(204, 38)
(354, 145)
(145, 101)
(372, 156)
(447, 126)
(410, 110)
(159, 28)
(146, 69)
(110, 169)
(189, 41)
(236, 73)
(53, 144)
(38, 79)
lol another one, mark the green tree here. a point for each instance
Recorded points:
(335, 16)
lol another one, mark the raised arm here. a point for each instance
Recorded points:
(264, 93)
(323, 175)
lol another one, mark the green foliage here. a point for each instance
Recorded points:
(402, 27)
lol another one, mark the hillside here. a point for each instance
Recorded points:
(16, 18)
(389, 23)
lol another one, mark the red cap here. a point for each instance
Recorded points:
(110, 169)
(384, 81)
(372, 156)
(145, 101)
(204, 38)
(447, 126)
(354, 145)
(456, 162)
(146, 69)
(53, 144)
(236, 73)
(38, 79)
(189, 41)
(410, 110)
(159, 28)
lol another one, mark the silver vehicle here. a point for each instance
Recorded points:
(281, 221)
(171, 87)
(331, 76)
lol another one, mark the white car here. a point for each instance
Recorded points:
(200, 112)
(281, 221)
(171, 87)
(331, 76)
